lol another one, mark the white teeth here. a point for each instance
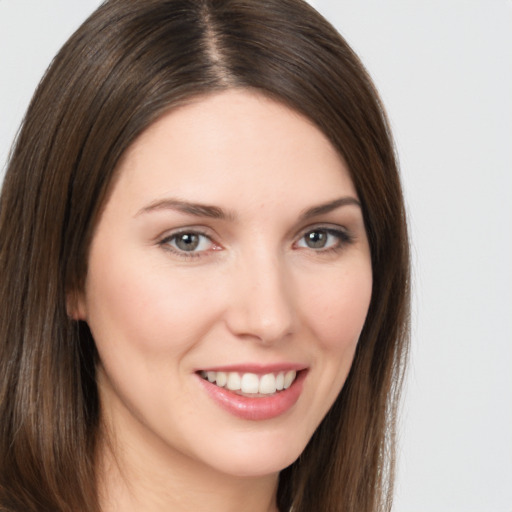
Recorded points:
(267, 384)
(222, 379)
(280, 381)
(289, 378)
(234, 381)
(252, 383)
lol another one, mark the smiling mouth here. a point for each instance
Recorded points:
(251, 384)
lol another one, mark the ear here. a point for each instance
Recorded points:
(75, 305)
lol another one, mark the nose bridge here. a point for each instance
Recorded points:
(262, 304)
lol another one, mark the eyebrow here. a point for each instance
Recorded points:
(214, 212)
(324, 208)
(195, 209)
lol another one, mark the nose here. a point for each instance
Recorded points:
(261, 301)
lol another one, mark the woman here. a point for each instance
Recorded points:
(204, 267)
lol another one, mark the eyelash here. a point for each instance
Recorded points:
(166, 243)
(343, 237)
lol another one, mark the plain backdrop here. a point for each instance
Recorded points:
(444, 70)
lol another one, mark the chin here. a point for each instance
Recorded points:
(257, 454)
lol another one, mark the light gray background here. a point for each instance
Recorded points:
(444, 69)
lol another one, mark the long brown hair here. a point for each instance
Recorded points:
(130, 62)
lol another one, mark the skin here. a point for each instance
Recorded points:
(253, 291)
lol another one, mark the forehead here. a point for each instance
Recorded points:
(235, 140)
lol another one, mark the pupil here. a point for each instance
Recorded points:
(316, 239)
(187, 241)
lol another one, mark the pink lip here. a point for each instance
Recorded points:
(255, 368)
(255, 408)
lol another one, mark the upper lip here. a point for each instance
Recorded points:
(255, 368)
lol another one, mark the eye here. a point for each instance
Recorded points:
(188, 242)
(323, 239)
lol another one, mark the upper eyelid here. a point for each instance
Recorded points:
(185, 232)
(327, 226)
(170, 233)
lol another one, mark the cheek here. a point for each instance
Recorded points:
(337, 309)
(335, 305)
(133, 304)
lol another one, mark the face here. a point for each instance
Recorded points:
(228, 281)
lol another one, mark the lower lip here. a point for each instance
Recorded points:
(256, 408)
